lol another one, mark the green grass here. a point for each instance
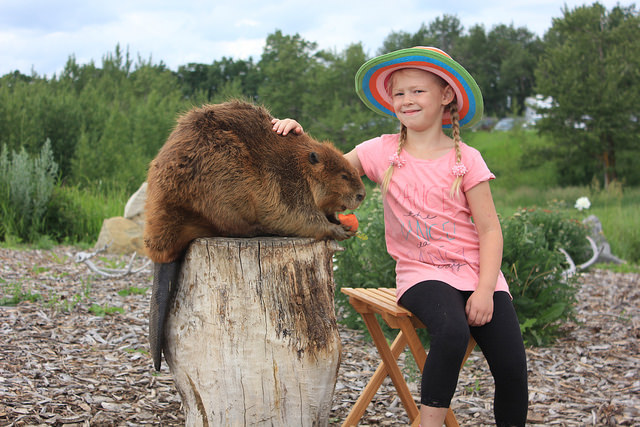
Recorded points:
(621, 227)
(76, 214)
(16, 295)
(519, 184)
(132, 290)
(503, 153)
(616, 208)
(105, 310)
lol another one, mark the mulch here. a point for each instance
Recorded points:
(77, 355)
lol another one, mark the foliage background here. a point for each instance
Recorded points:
(74, 146)
(106, 122)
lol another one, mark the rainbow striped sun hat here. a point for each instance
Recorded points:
(372, 79)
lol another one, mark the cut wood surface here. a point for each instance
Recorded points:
(252, 337)
(61, 363)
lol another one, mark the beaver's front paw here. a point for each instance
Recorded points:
(342, 232)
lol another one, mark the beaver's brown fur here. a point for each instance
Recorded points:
(225, 172)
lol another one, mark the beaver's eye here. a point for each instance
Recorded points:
(345, 176)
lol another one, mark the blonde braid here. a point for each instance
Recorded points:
(386, 180)
(455, 133)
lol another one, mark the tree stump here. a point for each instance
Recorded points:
(252, 337)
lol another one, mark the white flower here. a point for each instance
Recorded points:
(582, 203)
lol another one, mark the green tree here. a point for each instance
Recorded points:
(515, 53)
(590, 69)
(332, 110)
(285, 65)
(226, 77)
(104, 123)
(476, 55)
(443, 32)
(33, 110)
(396, 40)
(501, 61)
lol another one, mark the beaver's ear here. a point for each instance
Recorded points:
(313, 158)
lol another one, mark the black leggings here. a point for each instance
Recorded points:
(442, 309)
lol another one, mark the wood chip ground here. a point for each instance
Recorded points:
(65, 363)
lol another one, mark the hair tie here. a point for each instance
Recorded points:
(459, 170)
(396, 160)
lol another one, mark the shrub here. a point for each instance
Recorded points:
(26, 185)
(76, 215)
(533, 265)
(365, 262)
(36, 208)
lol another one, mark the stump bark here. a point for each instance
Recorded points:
(252, 337)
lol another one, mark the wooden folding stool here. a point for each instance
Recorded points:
(369, 302)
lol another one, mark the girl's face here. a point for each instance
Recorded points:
(419, 98)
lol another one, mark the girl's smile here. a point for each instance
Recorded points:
(410, 111)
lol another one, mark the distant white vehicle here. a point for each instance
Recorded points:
(532, 105)
(505, 124)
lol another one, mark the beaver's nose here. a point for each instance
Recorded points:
(360, 197)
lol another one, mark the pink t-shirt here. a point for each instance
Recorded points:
(429, 234)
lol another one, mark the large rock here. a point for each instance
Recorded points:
(134, 209)
(121, 236)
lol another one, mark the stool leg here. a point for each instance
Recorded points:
(415, 345)
(392, 367)
(374, 384)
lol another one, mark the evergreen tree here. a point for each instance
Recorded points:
(285, 65)
(590, 69)
(332, 109)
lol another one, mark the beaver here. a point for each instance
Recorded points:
(223, 172)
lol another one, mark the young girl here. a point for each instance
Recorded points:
(441, 225)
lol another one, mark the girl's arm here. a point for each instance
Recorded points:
(480, 304)
(354, 160)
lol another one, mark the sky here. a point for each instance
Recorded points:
(41, 35)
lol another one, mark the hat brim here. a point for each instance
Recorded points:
(372, 77)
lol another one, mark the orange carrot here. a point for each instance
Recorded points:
(349, 220)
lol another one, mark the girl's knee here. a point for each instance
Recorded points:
(453, 339)
(456, 331)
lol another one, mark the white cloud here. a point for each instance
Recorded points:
(243, 23)
(43, 34)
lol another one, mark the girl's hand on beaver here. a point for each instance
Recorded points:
(284, 126)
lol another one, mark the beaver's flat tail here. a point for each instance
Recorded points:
(165, 277)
